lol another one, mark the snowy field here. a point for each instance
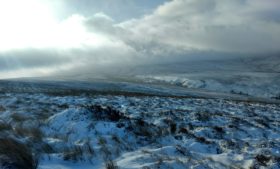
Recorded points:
(255, 84)
(256, 77)
(68, 131)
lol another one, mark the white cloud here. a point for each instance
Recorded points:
(242, 26)
(175, 31)
(67, 45)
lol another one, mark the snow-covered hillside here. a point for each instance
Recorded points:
(256, 84)
(106, 131)
(253, 76)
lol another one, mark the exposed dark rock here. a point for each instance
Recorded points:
(262, 159)
(105, 113)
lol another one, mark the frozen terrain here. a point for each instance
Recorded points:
(246, 76)
(257, 84)
(93, 129)
(257, 77)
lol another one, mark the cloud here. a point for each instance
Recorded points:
(244, 26)
(78, 60)
(175, 31)
(72, 45)
(120, 10)
(100, 23)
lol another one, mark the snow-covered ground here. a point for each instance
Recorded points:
(253, 76)
(256, 84)
(106, 131)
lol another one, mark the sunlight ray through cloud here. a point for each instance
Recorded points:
(121, 84)
(197, 29)
(27, 28)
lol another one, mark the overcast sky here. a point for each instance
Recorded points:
(44, 37)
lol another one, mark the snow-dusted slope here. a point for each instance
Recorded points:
(256, 76)
(265, 85)
(247, 76)
(127, 132)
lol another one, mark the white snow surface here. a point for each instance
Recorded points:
(151, 132)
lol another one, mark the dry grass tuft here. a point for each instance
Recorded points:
(111, 165)
(35, 133)
(16, 155)
(5, 126)
(74, 153)
(2, 108)
(19, 117)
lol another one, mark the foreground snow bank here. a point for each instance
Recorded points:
(70, 132)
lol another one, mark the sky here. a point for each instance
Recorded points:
(44, 37)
